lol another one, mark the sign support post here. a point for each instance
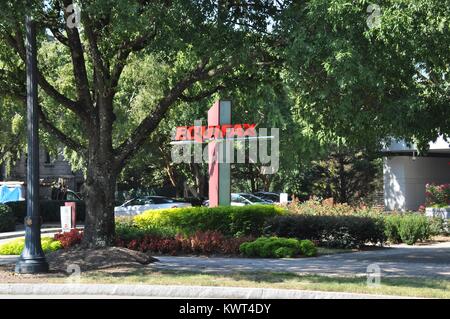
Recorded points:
(219, 170)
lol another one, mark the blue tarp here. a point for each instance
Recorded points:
(10, 194)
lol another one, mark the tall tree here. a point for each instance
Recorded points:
(197, 44)
(360, 76)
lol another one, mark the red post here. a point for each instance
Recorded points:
(74, 213)
(219, 173)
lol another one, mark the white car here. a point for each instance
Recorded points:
(137, 206)
(243, 199)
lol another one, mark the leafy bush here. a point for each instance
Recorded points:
(209, 242)
(16, 246)
(414, 228)
(127, 229)
(437, 195)
(275, 247)
(7, 219)
(69, 239)
(315, 207)
(438, 226)
(228, 220)
(410, 228)
(308, 248)
(330, 231)
(49, 210)
(392, 226)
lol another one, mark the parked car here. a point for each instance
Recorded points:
(270, 197)
(137, 206)
(243, 199)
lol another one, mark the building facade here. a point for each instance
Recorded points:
(406, 173)
(52, 170)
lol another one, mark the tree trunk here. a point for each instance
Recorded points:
(101, 179)
(342, 179)
(99, 192)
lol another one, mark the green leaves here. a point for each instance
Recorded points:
(362, 83)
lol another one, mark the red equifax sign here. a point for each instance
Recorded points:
(200, 133)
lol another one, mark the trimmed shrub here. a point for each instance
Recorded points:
(127, 229)
(7, 219)
(414, 228)
(275, 247)
(410, 228)
(438, 226)
(228, 220)
(329, 231)
(308, 248)
(16, 246)
(392, 226)
(49, 210)
(315, 207)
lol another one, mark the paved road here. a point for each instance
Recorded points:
(429, 261)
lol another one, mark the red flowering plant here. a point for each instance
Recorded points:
(69, 239)
(208, 243)
(437, 195)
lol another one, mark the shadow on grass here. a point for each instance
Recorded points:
(440, 283)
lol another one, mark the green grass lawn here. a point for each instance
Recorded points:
(412, 287)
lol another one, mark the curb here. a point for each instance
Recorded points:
(22, 233)
(172, 291)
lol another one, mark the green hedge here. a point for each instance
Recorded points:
(410, 228)
(274, 247)
(15, 247)
(229, 220)
(329, 231)
(49, 210)
(7, 219)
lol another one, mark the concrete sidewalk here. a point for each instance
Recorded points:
(170, 291)
(21, 233)
(46, 230)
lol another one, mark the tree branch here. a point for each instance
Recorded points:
(62, 137)
(125, 50)
(102, 72)
(79, 64)
(149, 124)
(202, 95)
(17, 44)
(48, 126)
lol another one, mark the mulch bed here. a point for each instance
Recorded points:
(65, 261)
(97, 259)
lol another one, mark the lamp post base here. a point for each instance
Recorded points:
(31, 266)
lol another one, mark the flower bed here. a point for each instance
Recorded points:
(203, 243)
(437, 196)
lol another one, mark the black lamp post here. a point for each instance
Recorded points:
(32, 260)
